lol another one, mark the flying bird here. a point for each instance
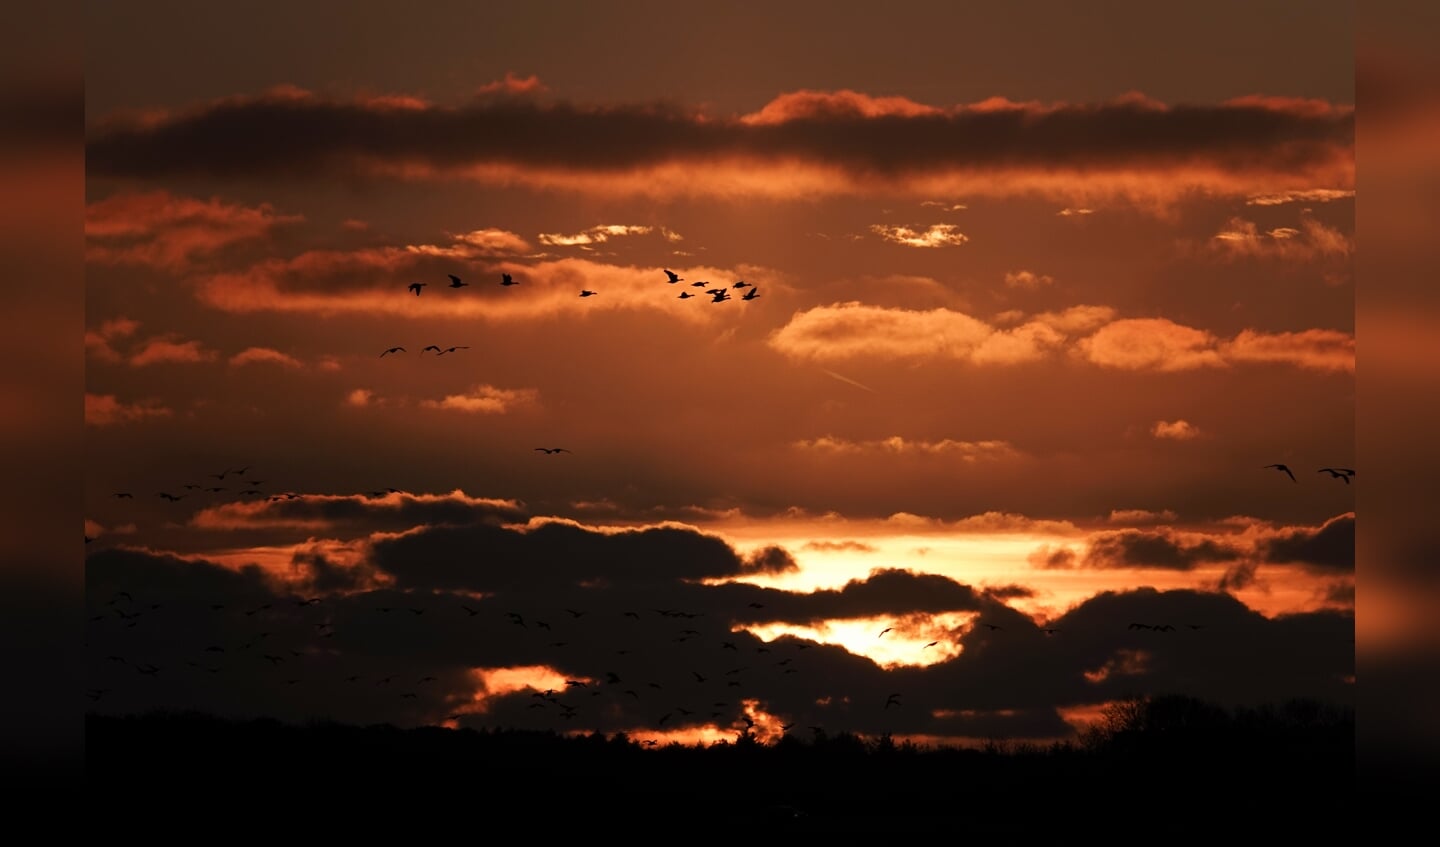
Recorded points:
(883, 631)
(506, 280)
(685, 295)
(392, 350)
(674, 277)
(751, 294)
(1284, 469)
(428, 347)
(171, 497)
(455, 281)
(552, 449)
(893, 700)
(416, 286)
(931, 644)
(1338, 473)
(587, 293)
(453, 349)
(121, 495)
(742, 284)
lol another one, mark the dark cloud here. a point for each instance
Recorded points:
(1331, 547)
(1161, 548)
(225, 641)
(296, 134)
(553, 553)
(1010, 592)
(770, 560)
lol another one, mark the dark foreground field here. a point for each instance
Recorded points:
(1170, 766)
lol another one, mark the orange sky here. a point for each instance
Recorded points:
(1022, 337)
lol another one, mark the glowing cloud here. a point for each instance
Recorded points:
(936, 235)
(1178, 430)
(264, 355)
(487, 400)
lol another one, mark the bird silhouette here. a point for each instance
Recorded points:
(587, 293)
(505, 279)
(171, 497)
(122, 495)
(893, 700)
(1338, 473)
(751, 294)
(453, 349)
(1285, 469)
(552, 450)
(931, 644)
(428, 347)
(455, 281)
(674, 277)
(392, 350)
(883, 631)
(416, 286)
(742, 284)
(720, 296)
(685, 295)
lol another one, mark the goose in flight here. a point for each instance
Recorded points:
(122, 495)
(1338, 473)
(883, 631)
(505, 279)
(742, 284)
(171, 497)
(674, 277)
(453, 349)
(751, 294)
(721, 297)
(931, 644)
(392, 350)
(893, 700)
(685, 295)
(455, 281)
(428, 347)
(1285, 469)
(552, 450)
(416, 286)
(587, 293)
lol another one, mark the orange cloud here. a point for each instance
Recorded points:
(935, 235)
(1316, 349)
(169, 349)
(254, 355)
(491, 242)
(1308, 195)
(847, 330)
(810, 105)
(1178, 430)
(1313, 240)
(106, 410)
(1150, 344)
(599, 235)
(161, 230)
(487, 399)
(1026, 279)
(851, 330)
(968, 451)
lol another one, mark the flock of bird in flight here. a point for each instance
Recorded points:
(717, 294)
(1342, 474)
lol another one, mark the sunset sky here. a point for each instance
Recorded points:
(1039, 290)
